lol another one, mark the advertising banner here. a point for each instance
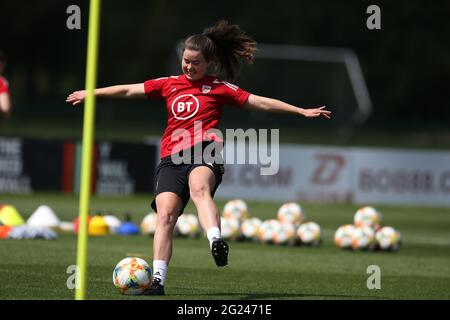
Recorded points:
(124, 168)
(306, 173)
(28, 165)
(402, 177)
(353, 175)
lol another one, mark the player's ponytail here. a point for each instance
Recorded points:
(225, 45)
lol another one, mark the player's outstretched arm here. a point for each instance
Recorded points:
(259, 103)
(131, 91)
(5, 105)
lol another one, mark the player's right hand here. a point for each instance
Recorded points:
(76, 97)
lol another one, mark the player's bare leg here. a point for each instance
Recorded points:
(201, 182)
(169, 206)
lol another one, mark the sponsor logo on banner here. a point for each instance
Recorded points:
(328, 168)
(327, 176)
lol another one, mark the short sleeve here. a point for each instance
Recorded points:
(153, 88)
(234, 95)
(4, 88)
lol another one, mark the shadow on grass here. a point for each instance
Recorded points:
(289, 296)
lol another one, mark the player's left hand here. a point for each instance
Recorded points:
(76, 97)
(316, 112)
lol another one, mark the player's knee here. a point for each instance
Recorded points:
(166, 217)
(199, 192)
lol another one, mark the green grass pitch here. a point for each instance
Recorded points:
(36, 269)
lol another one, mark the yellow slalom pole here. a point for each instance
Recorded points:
(88, 139)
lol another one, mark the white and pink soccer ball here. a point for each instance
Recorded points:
(363, 238)
(250, 228)
(236, 209)
(284, 234)
(368, 217)
(148, 224)
(309, 233)
(188, 225)
(291, 212)
(343, 236)
(132, 276)
(388, 239)
(268, 229)
(230, 228)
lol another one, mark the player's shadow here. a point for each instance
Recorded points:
(271, 295)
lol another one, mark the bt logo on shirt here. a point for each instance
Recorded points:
(185, 106)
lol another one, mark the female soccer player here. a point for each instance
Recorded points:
(196, 97)
(5, 99)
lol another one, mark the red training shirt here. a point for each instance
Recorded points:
(4, 87)
(190, 103)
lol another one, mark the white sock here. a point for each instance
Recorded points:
(160, 270)
(212, 233)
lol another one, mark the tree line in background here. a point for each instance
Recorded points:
(406, 64)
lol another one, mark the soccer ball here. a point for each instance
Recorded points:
(343, 236)
(368, 217)
(229, 228)
(284, 234)
(250, 228)
(291, 212)
(388, 239)
(363, 238)
(309, 233)
(267, 230)
(188, 225)
(148, 224)
(132, 276)
(236, 209)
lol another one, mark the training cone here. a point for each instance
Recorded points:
(98, 226)
(9, 216)
(43, 217)
(76, 223)
(5, 231)
(128, 227)
(66, 226)
(113, 223)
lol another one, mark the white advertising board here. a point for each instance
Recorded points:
(402, 177)
(359, 175)
(305, 173)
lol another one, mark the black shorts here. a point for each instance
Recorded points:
(171, 177)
